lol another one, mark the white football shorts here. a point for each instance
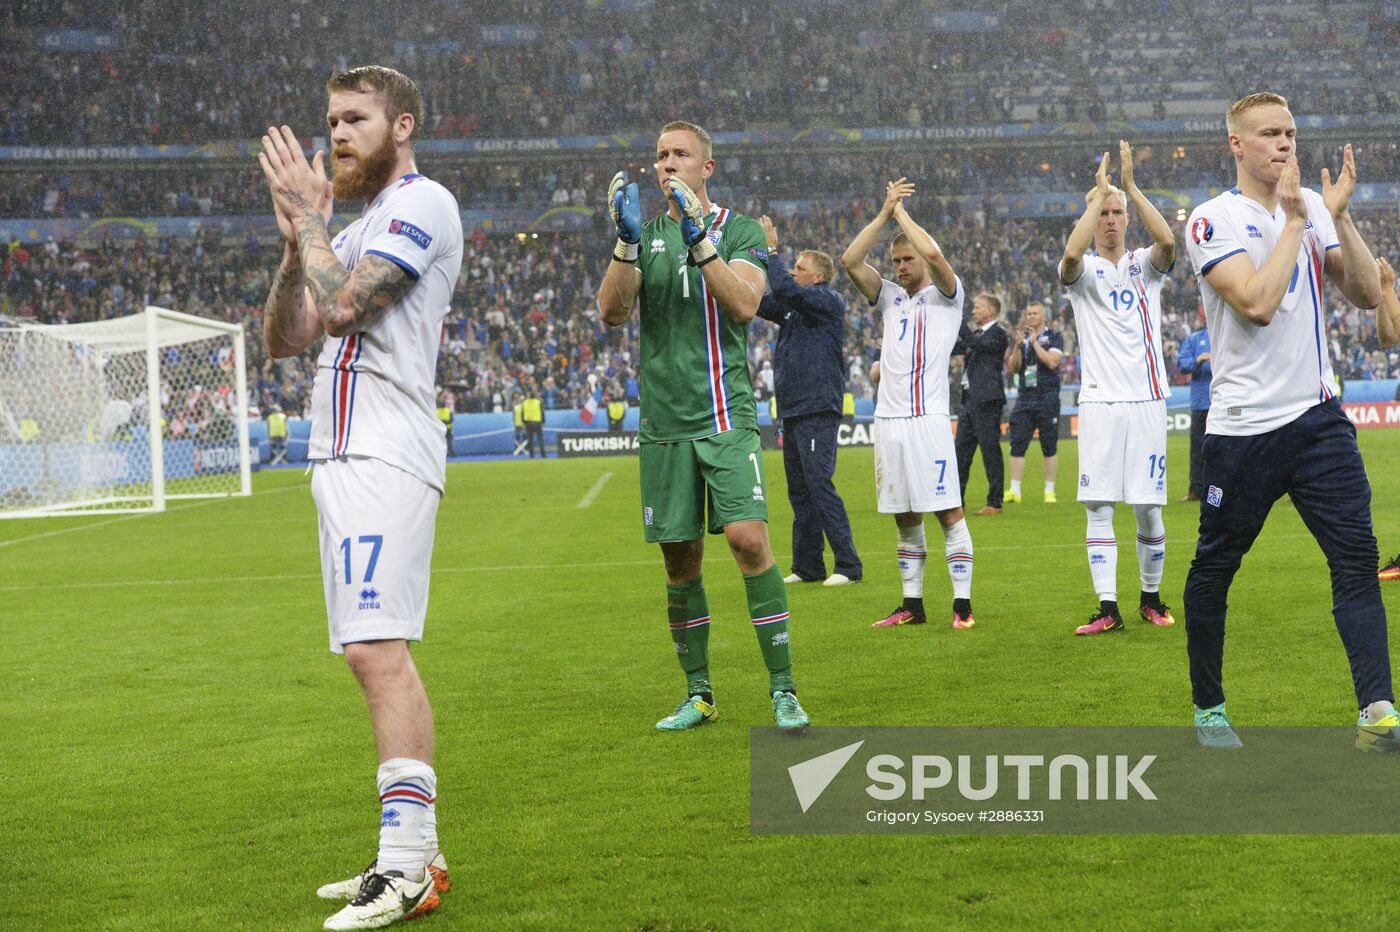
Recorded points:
(916, 468)
(376, 526)
(1123, 452)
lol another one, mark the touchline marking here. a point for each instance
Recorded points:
(593, 492)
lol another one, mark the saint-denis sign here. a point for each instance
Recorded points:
(1052, 781)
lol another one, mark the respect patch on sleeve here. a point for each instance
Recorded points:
(404, 228)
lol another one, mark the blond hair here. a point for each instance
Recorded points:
(991, 299)
(1262, 99)
(400, 94)
(675, 125)
(824, 266)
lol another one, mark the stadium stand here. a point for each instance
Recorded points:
(999, 197)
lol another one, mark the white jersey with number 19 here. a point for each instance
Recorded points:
(374, 393)
(1118, 317)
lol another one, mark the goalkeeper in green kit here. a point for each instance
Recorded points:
(698, 272)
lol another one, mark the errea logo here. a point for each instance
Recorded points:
(658, 245)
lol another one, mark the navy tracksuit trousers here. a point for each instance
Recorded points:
(809, 459)
(1315, 460)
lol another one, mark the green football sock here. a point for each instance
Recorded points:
(768, 607)
(689, 615)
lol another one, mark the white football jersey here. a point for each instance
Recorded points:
(1118, 317)
(374, 391)
(1263, 377)
(919, 334)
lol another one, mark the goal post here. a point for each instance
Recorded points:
(121, 415)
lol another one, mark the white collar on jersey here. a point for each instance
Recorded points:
(392, 186)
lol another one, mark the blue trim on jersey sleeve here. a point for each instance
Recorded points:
(956, 283)
(412, 272)
(1333, 246)
(1167, 270)
(1214, 262)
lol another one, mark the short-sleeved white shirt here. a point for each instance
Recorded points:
(374, 393)
(919, 333)
(1263, 377)
(1118, 318)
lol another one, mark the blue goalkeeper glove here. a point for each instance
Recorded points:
(625, 204)
(692, 223)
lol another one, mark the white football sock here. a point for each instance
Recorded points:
(1015, 486)
(1103, 550)
(957, 546)
(913, 554)
(407, 792)
(1151, 545)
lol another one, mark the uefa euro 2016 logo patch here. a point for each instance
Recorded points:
(1214, 495)
(1202, 230)
(647, 517)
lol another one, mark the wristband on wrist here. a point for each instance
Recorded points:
(625, 252)
(702, 252)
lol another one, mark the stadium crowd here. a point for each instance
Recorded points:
(523, 317)
(157, 71)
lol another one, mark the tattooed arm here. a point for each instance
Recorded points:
(289, 325)
(342, 301)
(345, 301)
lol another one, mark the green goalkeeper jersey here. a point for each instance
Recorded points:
(694, 366)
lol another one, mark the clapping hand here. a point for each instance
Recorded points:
(895, 193)
(300, 190)
(1290, 192)
(1338, 195)
(770, 232)
(1125, 167)
(1102, 181)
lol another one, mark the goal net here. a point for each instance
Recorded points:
(121, 415)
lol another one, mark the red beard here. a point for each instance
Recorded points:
(367, 175)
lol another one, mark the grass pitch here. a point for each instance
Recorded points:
(179, 750)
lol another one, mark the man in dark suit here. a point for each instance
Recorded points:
(809, 378)
(983, 345)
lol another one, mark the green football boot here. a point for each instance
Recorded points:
(788, 712)
(1213, 729)
(693, 712)
(1380, 731)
